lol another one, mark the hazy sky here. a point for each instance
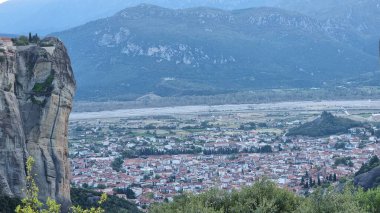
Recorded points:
(1, 1)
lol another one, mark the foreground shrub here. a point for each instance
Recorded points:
(265, 197)
(31, 204)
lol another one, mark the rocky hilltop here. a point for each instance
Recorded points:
(36, 91)
(325, 125)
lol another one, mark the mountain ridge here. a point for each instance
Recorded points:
(200, 51)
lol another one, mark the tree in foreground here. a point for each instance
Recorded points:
(265, 197)
(78, 209)
(31, 204)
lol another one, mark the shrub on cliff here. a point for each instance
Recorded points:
(21, 41)
(31, 204)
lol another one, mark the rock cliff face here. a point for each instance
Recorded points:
(36, 91)
(370, 179)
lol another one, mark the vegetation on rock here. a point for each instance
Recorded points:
(20, 41)
(44, 87)
(24, 41)
(31, 203)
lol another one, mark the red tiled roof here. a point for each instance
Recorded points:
(5, 39)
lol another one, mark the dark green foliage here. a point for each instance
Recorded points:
(377, 133)
(265, 196)
(8, 205)
(34, 39)
(127, 191)
(42, 89)
(101, 186)
(45, 87)
(117, 164)
(346, 161)
(265, 149)
(340, 145)
(2, 59)
(262, 125)
(20, 41)
(329, 201)
(46, 44)
(153, 151)
(326, 125)
(129, 154)
(248, 126)
(373, 162)
(87, 199)
(221, 151)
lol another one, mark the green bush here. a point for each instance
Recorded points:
(45, 86)
(20, 41)
(46, 44)
(346, 161)
(265, 196)
(117, 164)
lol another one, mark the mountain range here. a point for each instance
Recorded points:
(53, 14)
(205, 51)
(47, 16)
(168, 51)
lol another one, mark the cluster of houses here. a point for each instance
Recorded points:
(160, 177)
